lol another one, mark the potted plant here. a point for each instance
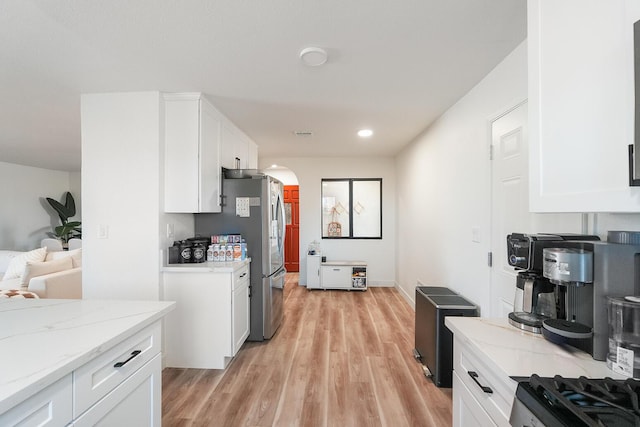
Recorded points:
(67, 229)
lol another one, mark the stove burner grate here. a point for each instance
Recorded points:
(596, 402)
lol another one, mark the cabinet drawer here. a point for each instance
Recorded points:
(466, 409)
(336, 276)
(240, 277)
(135, 402)
(49, 407)
(497, 403)
(97, 378)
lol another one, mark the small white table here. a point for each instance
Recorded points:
(346, 275)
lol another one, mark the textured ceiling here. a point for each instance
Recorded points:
(393, 66)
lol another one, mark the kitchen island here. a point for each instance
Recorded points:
(58, 356)
(487, 352)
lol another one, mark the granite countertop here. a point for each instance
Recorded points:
(42, 340)
(205, 267)
(512, 352)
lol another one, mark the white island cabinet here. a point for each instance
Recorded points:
(581, 105)
(81, 363)
(211, 321)
(487, 352)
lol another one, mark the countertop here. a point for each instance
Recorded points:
(205, 267)
(512, 352)
(42, 340)
(344, 263)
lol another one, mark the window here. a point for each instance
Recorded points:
(352, 208)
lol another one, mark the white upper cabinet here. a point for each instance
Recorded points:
(192, 154)
(581, 105)
(235, 148)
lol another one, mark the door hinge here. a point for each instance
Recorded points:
(490, 259)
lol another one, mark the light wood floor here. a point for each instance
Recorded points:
(339, 359)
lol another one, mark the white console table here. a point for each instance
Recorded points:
(347, 275)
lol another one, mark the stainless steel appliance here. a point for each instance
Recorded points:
(433, 340)
(535, 294)
(253, 206)
(581, 302)
(575, 402)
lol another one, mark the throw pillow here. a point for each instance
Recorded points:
(75, 254)
(15, 269)
(35, 268)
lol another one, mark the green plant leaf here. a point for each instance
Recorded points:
(70, 204)
(61, 209)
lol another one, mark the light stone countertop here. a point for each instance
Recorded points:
(512, 352)
(205, 267)
(42, 340)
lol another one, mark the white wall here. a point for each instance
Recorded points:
(377, 253)
(444, 189)
(25, 217)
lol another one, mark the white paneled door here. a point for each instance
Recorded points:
(510, 201)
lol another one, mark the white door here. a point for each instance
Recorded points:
(509, 201)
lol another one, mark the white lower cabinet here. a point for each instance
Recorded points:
(50, 407)
(240, 309)
(478, 391)
(101, 393)
(466, 409)
(135, 402)
(211, 319)
(348, 275)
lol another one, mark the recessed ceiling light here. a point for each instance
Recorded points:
(274, 166)
(364, 133)
(313, 56)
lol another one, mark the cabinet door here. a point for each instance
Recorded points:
(209, 159)
(313, 271)
(581, 105)
(228, 138)
(135, 402)
(182, 137)
(240, 313)
(466, 409)
(49, 407)
(253, 155)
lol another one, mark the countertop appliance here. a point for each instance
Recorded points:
(574, 402)
(253, 207)
(534, 296)
(615, 273)
(433, 340)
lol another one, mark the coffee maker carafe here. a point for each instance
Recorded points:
(534, 302)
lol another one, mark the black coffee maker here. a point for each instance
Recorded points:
(535, 294)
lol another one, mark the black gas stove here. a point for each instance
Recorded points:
(559, 401)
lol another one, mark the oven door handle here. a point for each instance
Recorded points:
(474, 377)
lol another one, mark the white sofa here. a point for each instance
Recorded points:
(54, 275)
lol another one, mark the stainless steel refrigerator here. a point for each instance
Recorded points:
(253, 207)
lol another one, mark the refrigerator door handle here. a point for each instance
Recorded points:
(277, 279)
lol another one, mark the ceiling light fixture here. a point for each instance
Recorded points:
(313, 56)
(365, 133)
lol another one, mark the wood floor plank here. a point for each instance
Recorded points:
(339, 359)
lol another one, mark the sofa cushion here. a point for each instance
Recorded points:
(17, 264)
(35, 269)
(75, 255)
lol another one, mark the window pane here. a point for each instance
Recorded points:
(367, 218)
(335, 209)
